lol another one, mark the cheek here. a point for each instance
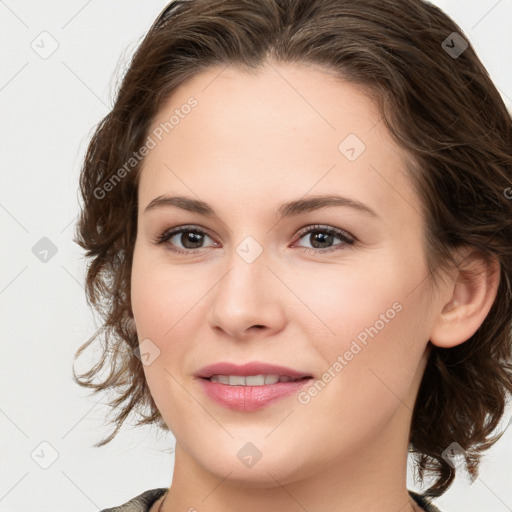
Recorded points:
(361, 299)
(369, 375)
(162, 296)
(374, 329)
(165, 302)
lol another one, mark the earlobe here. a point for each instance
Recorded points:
(473, 291)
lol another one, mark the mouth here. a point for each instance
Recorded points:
(253, 380)
(251, 386)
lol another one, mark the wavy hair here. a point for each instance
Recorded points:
(442, 108)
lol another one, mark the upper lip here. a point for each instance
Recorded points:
(252, 368)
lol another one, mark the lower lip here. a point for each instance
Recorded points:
(250, 398)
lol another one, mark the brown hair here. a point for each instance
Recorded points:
(442, 108)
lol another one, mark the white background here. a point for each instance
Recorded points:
(49, 109)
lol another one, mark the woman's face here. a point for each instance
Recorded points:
(338, 292)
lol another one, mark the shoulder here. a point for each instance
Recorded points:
(423, 502)
(144, 501)
(141, 503)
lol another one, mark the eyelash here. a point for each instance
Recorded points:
(343, 235)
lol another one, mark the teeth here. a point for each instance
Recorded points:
(249, 380)
(257, 380)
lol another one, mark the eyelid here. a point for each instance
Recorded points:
(324, 227)
(345, 236)
(169, 233)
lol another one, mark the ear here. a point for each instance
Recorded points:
(471, 291)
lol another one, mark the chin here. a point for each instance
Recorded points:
(268, 471)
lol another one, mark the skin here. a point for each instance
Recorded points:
(252, 142)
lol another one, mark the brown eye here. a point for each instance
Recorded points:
(322, 237)
(190, 237)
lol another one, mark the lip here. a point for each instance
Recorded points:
(252, 368)
(249, 398)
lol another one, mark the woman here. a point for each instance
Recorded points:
(298, 219)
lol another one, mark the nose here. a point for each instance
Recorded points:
(249, 300)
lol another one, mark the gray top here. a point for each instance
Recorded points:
(144, 501)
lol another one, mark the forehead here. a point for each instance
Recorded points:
(287, 130)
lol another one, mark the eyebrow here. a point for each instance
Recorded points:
(287, 209)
